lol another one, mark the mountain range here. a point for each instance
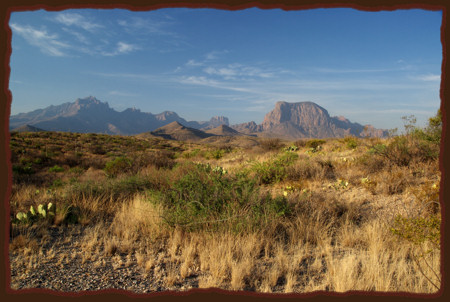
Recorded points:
(286, 120)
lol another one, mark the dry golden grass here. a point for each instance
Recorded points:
(339, 238)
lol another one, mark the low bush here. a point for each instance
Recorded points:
(117, 166)
(271, 144)
(274, 170)
(315, 143)
(158, 159)
(206, 198)
(305, 169)
(416, 145)
(56, 169)
(350, 141)
(300, 143)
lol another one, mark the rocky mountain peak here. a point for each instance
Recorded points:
(219, 120)
(303, 114)
(167, 115)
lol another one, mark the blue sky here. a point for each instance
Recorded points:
(371, 67)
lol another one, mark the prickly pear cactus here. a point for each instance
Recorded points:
(32, 211)
(42, 211)
(21, 216)
(51, 208)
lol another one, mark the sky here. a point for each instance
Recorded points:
(371, 67)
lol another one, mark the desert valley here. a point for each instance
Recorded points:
(144, 202)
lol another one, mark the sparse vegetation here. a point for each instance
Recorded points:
(333, 215)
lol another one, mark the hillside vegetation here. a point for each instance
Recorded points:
(281, 216)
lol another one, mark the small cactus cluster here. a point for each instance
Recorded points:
(43, 212)
(220, 170)
(292, 148)
(340, 184)
(314, 150)
(291, 189)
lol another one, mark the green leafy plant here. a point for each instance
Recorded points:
(351, 142)
(56, 168)
(274, 170)
(291, 148)
(315, 143)
(118, 165)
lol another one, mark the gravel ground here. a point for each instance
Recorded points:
(73, 274)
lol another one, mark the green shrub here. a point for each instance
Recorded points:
(97, 149)
(271, 144)
(117, 166)
(23, 169)
(300, 143)
(192, 153)
(68, 214)
(351, 142)
(205, 197)
(274, 170)
(416, 145)
(56, 169)
(291, 148)
(315, 143)
(215, 154)
(159, 159)
(418, 230)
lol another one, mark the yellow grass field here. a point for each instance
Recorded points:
(145, 214)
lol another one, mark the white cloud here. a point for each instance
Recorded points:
(213, 55)
(225, 72)
(144, 26)
(74, 19)
(430, 78)
(121, 48)
(120, 93)
(236, 70)
(47, 43)
(349, 70)
(199, 80)
(194, 63)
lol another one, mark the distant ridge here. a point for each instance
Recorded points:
(223, 130)
(176, 131)
(91, 115)
(27, 128)
(286, 120)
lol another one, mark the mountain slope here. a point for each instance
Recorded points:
(223, 130)
(91, 115)
(27, 128)
(177, 131)
(306, 119)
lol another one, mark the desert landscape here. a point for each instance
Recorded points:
(179, 208)
(255, 150)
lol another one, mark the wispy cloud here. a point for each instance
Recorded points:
(129, 76)
(215, 54)
(144, 26)
(74, 19)
(79, 36)
(430, 78)
(233, 71)
(350, 70)
(199, 80)
(204, 61)
(51, 43)
(194, 63)
(46, 42)
(121, 93)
